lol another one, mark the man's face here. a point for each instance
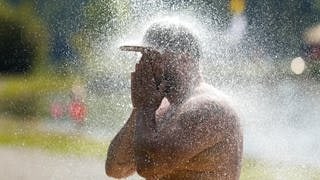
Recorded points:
(162, 66)
(170, 69)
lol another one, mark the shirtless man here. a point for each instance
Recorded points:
(180, 127)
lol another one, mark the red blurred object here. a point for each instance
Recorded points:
(57, 110)
(77, 111)
(314, 52)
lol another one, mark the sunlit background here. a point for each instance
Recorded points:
(65, 85)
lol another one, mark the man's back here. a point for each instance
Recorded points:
(222, 158)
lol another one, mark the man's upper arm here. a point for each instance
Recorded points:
(120, 159)
(196, 129)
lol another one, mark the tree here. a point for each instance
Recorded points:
(278, 25)
(105, 17)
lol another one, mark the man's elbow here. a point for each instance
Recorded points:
(113, 171)
(151, 170)
(145, 172)
(117, 171)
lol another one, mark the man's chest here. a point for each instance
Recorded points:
(165, 115)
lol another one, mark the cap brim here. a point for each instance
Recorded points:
(142, 49)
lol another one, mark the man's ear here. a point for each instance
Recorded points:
(187, 56)
(154, 54)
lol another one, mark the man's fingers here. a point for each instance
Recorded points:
(133, 80)
(148, 73)
(138, 76)
(147, 70)
(144, 71)
(144, 86)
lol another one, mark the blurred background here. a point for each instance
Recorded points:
(65, 86)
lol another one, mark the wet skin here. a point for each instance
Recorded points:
(179, 128)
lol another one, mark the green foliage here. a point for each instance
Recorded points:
(105, 17)
(33, 32)
(253, 169)
(56, 143)
(103, 20)
(22, 134)
(23, 96)
(18, 93)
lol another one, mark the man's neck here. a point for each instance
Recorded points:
(179, 95)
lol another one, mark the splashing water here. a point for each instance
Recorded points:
(276, 99)
(280, 112)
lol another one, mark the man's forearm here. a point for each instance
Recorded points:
(146, 130)
(147, 144)
(146, 120)
(120, 158)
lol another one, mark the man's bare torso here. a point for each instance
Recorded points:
(220, 161)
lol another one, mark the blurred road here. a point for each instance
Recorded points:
(27, 164)
(31, 164)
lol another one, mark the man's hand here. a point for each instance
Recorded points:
(145, 91)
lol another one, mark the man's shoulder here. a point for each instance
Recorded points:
(207, 96)
(207, 104)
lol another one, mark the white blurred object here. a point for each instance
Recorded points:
(237, 28)
(298, 65)
(312, 35)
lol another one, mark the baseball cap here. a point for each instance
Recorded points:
(164, 36)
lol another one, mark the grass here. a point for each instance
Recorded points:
(258, 169)
(26, 134)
